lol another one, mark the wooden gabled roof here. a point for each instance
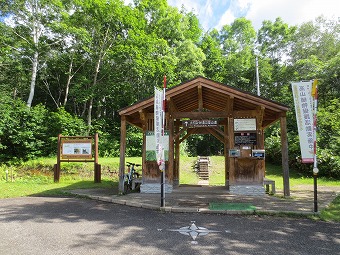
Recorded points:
(201, 98)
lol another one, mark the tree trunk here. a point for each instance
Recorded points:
(36, 33)
(69, 78)
(33, 79)
(89, 113)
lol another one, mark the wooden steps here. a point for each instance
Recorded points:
(203, 168)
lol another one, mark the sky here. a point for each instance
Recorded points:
(217, 13)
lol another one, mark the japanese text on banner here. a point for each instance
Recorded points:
(304, 117)
(158, 122)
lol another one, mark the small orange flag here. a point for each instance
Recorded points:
(314, 87)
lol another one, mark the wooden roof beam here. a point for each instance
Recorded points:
(190, 132)
(230, 105)
(172, 106)
(200, 97)
(199, 115)
(216, 132)
(260, 114)
(245, 113)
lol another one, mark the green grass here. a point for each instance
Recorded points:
(187, 172)
(36, 188)
(35, 177)
(332, 213)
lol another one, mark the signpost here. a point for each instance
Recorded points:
(315, 166)
(305, 95)
(159, 121)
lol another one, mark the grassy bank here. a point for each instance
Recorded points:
(35, 177)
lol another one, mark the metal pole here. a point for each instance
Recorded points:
(315, 192)
(163, 156)
(162, 189)
(315, 166)
(257, 76)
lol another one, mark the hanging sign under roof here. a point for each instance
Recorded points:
(245, 124)
(200, 123)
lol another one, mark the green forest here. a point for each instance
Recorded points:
(68, 66)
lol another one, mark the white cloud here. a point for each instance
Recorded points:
(292, 12)
(227, 18)
(202, 8)
(212, 15)
(237, 8)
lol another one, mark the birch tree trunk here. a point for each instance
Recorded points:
(36, 33)
(89, 113)
(69, 78)
(33, 78)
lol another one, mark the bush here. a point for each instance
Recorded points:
(328, 144)
(329, 164)
(62, 122)
(23, 130)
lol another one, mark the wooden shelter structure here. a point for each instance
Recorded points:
(202, 106)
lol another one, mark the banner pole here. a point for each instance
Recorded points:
(163, 154)
(315, 163)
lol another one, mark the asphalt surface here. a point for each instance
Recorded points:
(44, 225)
(198, 198)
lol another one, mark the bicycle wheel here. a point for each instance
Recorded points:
(127, 187)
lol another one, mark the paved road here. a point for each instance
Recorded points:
(36, 225)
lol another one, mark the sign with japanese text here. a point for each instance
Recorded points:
(304, 118)
(76, 149)
(245, 124)
(151, 144)
(158, 122)
(200, 123)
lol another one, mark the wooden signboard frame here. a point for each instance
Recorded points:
(78, 149)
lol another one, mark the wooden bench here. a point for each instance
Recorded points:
(268, 182)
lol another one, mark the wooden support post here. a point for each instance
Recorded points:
(145, 123)
(122, 154)
(171, 150)
(98, 174)
(97, 167)
(57, 166)
(177, 153)
(231, 161)
(226, 156)
(284, 148)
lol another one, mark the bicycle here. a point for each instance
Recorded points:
(130, 176)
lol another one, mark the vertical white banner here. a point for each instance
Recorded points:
(158, 118)
(304, 116)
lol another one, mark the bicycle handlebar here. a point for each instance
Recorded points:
(133, 164)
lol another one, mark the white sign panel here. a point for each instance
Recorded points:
(304, 117)
(76, 149)
(151, 144)
(245, 124)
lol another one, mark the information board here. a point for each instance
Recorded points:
(151, 145)
(245, 138)
(244, 124)
(76, 149)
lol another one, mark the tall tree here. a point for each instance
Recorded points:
(315, 52)
(99, 26)
(214, 62)
(238, 42)
(274, 41)
(190, 61)
(31, 20)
